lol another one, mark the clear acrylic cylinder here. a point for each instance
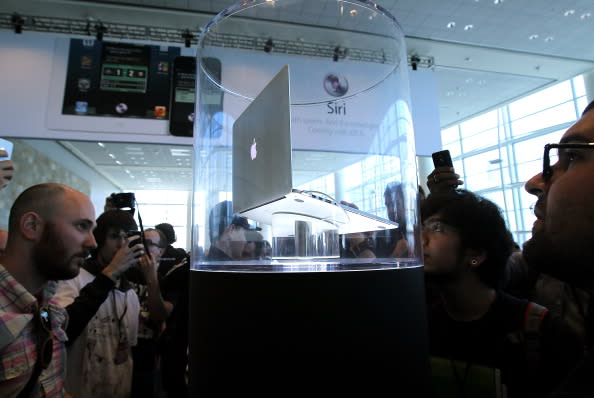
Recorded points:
(279, 290)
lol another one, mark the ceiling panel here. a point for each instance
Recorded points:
(513, 48)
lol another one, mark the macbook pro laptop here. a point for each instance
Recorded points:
(262, 168)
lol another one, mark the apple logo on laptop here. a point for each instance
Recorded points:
(254, 150)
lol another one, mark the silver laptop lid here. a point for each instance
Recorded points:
(262, 169)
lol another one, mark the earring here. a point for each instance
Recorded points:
(473, 261)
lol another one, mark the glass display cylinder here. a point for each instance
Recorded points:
(350, 129)
(321, 276)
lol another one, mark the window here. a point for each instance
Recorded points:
(497, 152)
(155, 207)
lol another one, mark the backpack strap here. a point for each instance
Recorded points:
(533, 316)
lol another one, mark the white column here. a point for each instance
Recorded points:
(589, 83)
(339, 185)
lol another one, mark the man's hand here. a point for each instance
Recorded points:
(124, 258)
(109, 204)
(443, 179)
(148, 265)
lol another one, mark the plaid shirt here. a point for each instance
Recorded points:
(18, 352)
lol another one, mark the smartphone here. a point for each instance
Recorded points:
(183, 97)
(442, 159)
(123, 83)
(6, 145)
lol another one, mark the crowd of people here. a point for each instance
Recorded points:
(89, 310)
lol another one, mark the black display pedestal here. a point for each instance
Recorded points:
(318, 334)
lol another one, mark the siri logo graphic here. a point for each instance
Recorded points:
(254, 150)
(121, 108)
(336, 85)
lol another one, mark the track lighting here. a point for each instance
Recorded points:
(339, 53)
(187, 36)
(268, 46)
(18, 22)
(414, 61)
(100, 30)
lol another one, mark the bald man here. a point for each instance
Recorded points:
(50, 235)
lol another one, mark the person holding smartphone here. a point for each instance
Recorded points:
(443, 178)
(103, 312)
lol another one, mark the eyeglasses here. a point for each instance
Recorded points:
(547, 169)
(438, 226)
(151, 243)
(45, 336)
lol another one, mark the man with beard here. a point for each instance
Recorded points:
(50, 236)
(561, 243)
(103, 312)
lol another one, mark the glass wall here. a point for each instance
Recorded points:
(497, 152)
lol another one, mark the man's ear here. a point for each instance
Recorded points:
(31, 225)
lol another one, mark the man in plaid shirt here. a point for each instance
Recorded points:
(50, 235)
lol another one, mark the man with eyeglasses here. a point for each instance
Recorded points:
(560, 248)
(561, 244)
(50, 236)
(156, 304)
(475, 329)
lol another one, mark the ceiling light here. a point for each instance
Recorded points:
(548, 39)
(353, 12)
(497, 1)
(585, 15)
(102, 145)
(569, 13)
(468, 27)
(451, 25)
(533, 37)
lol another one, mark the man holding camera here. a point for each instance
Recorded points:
(103, 312)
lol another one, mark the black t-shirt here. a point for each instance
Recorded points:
(497, 341)
(170, 258)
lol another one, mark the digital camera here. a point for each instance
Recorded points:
(140, 238)
(122, 200)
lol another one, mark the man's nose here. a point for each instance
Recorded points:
(91, 242)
